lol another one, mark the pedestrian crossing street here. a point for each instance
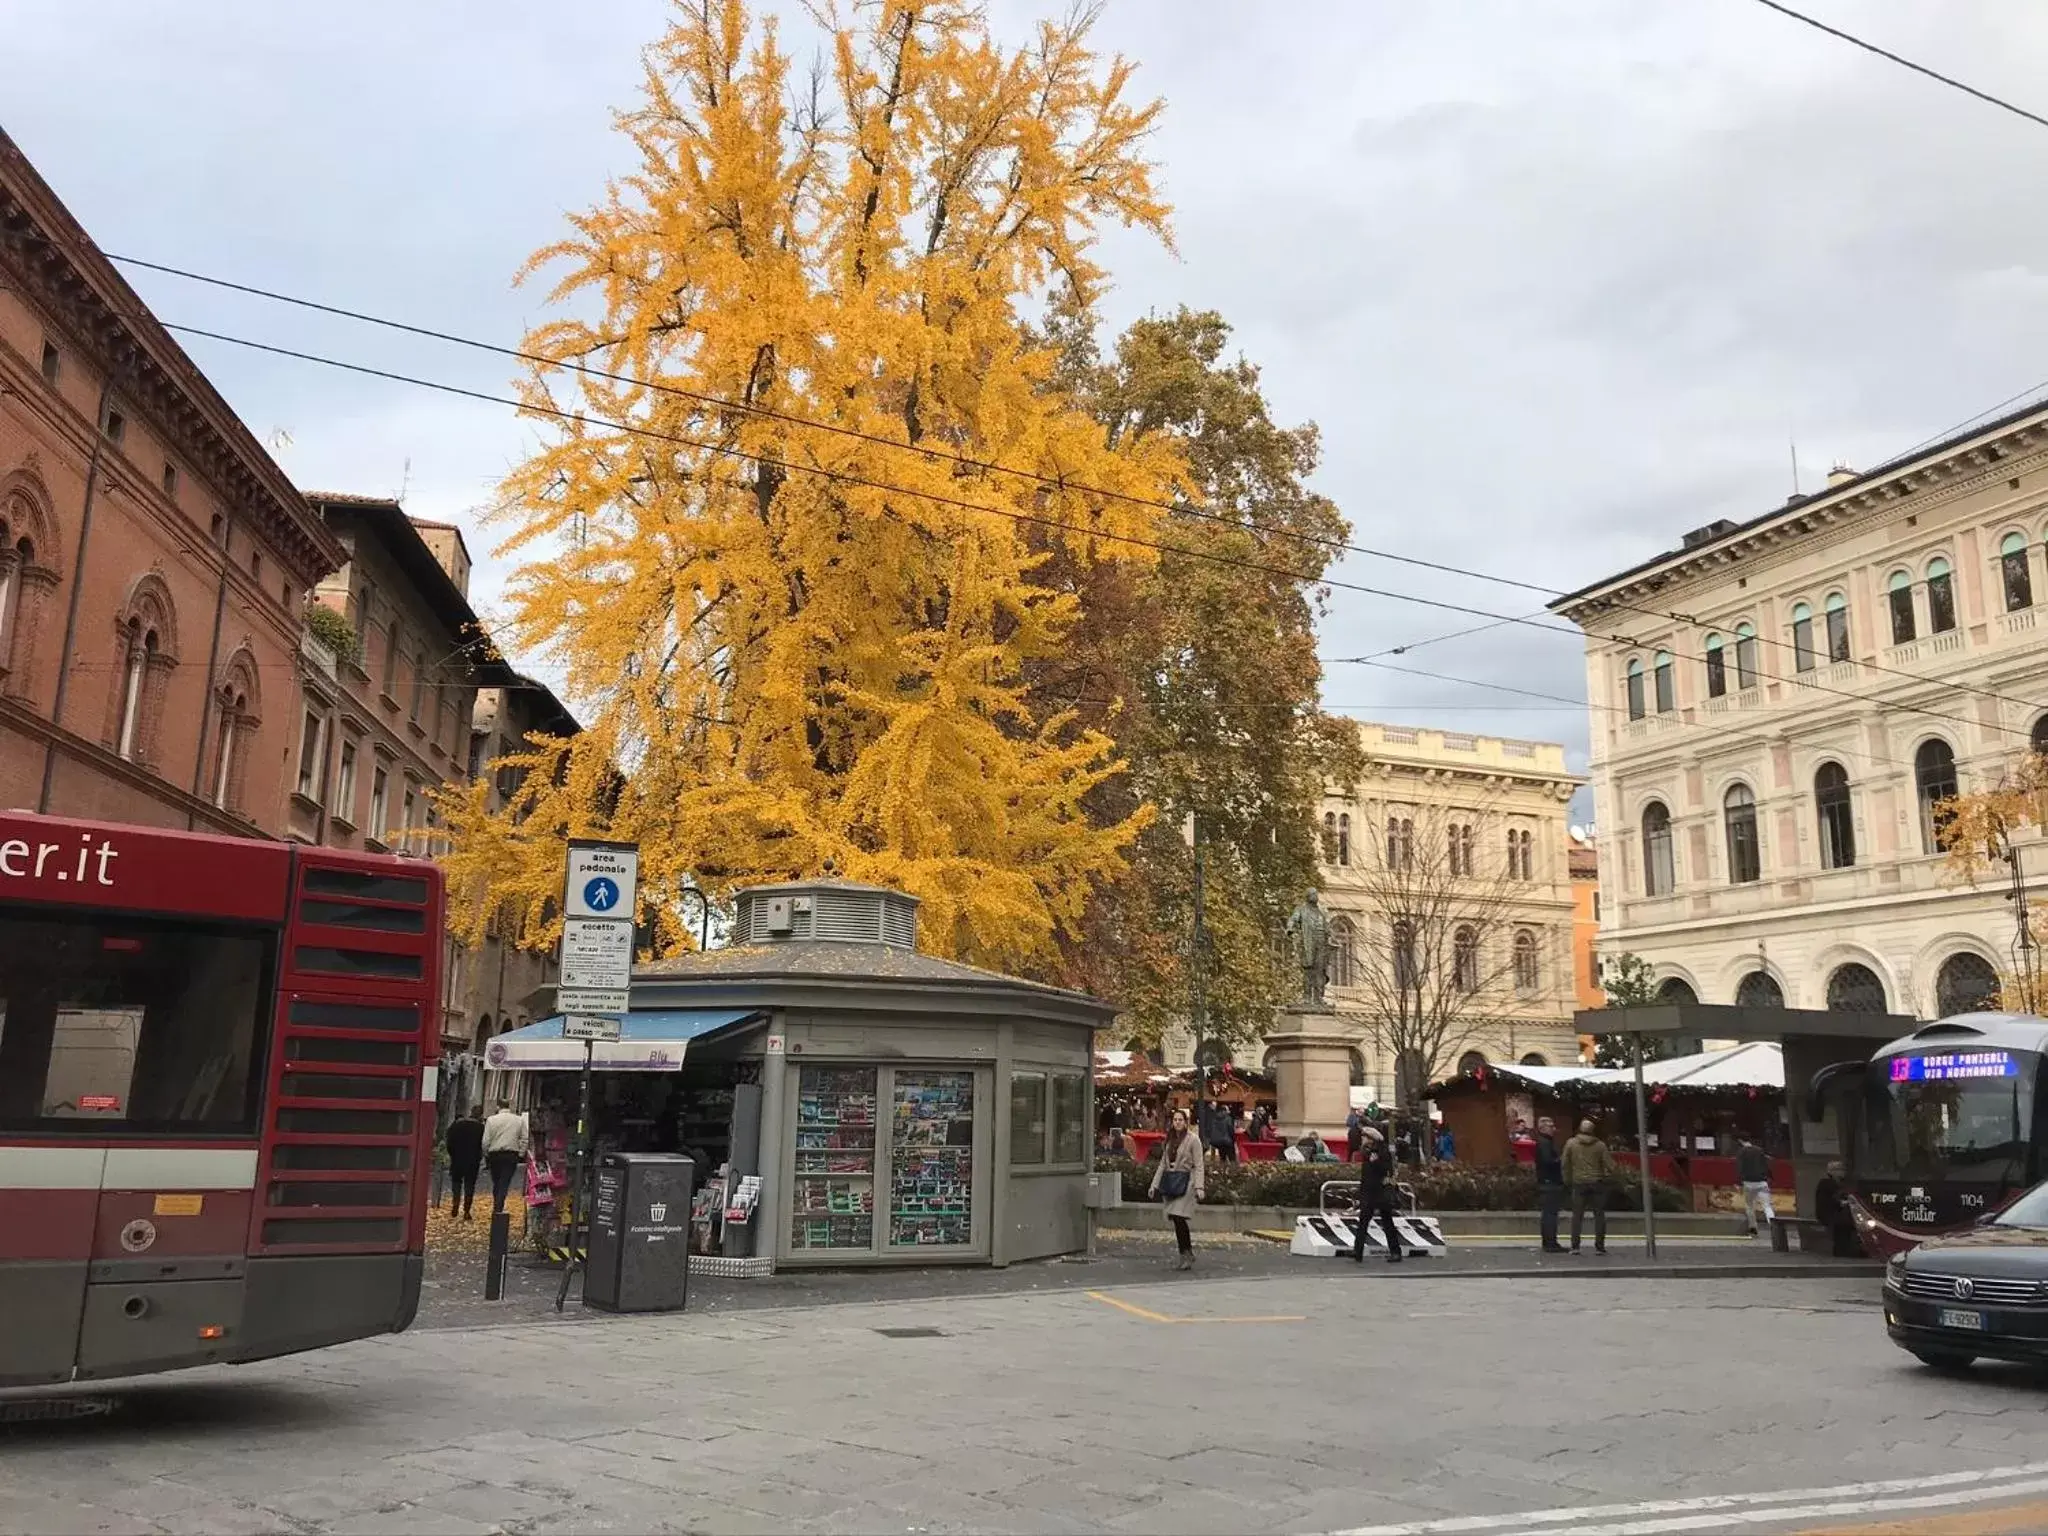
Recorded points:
(1906, 1506)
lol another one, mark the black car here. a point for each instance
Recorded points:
(1983, 1292)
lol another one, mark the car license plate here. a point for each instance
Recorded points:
(1951, 1318)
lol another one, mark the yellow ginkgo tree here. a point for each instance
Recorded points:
(770, 537)
(1978, 832)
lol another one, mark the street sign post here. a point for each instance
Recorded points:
(600, 894)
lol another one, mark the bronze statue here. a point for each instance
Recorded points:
(1308, 935)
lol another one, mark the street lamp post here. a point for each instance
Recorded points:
(704, 920)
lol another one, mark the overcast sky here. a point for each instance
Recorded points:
(1559, 279)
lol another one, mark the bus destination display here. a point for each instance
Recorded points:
(1950, 1066)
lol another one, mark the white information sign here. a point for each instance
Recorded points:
(586, 1026)
(597, 953)
(590, 1000)
(603, 880)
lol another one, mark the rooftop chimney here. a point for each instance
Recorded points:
(1842, 474)
(1708, 534)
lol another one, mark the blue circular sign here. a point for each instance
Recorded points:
(601, 894)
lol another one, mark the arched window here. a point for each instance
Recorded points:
(1344, 839)
(1836, 816)
(1470, 1063)
(1465, 958)
(2013, 569)
(1934, 780)
(1838, 627)
(1212, 1054)
(1676, 992)
(17, 554)
(1343, 952)
(1802, 637)
(1407, 964)
(238, 712)
(134, 672)
(1717, 668)
(1667, 696)
(1941, 597)
(1400, 843)
(1759, 989)
(1745, 655)
(1534, 1059)
(1855, 989)
(1329, 837)
(1528, 855)
(1357, 1067)
(1966, 983)
(1657, 871)
(1635, 689)
(1738, 814)
(1527, 975)
(1461, 850)
(1900, 596)
(2038, 737)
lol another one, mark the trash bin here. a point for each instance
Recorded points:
(639, 1256)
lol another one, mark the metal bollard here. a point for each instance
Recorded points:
(494, 1265)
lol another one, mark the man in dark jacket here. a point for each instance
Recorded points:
(465, 1143)
(1376, 1195)
(1831, 1208)
(1753, 1170)
(1549, 1181)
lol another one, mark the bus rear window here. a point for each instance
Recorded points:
(130, 1025)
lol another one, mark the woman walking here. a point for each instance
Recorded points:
(1178, 1181)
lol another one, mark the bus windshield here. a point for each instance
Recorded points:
(1960, 1116)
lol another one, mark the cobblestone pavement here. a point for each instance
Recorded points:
(1324, 1400)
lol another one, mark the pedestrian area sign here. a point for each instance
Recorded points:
(586, 1026)
(599, 891)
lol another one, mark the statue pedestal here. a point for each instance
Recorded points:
(1310, 1052)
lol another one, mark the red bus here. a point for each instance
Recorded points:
(217, 1086)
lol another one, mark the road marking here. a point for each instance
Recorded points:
(1161, 1317)
(1734, 1509)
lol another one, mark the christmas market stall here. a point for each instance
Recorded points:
(1700, 1107)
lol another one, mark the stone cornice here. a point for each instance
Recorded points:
(1953, 470)
(55, 264)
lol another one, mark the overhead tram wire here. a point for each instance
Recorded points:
(944, 455)
(1903, 62)
(1025, 518)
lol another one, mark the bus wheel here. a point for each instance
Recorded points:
(1949, 1362)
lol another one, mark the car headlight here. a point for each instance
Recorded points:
(1895, 1271)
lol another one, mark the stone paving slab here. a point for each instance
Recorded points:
(1042, 1410)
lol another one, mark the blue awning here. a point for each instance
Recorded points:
(650, 1040)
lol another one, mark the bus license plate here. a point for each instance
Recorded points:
(1950, 1318)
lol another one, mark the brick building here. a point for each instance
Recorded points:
(154, 560)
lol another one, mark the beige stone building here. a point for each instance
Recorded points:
(1449, 862)
(1765, 766)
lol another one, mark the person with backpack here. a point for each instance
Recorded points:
(1375, 1195)
(1178, 1182)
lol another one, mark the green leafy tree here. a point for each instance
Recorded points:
(1629, 983)
(1202, 668)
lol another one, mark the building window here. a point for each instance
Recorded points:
(1802, 637)
(1759, 989)
(1528, 855)
(393, 638)
(412, 807)
(225, 758)
(1635, 690)
(1526, 974)
(1966, 983)
(1941, 598)
(1855, 989)
(1400, 843)
(1900, 599)
(53, 365)
(345, 782)
(1667, 697)
(1837, 820)
(2013, 568)
(170, 479)
(1596, 906)
(1745, 655)
(1027, 1119)
(1657, 871)
(1838, 627)
(1407, 964)
(115, 426)
(419, 683)
(2038, 737)
(1069, 1117)
(312, 738)
(1329, 837)
(1343, 952)
(380, 804)
(1471, 1063)
(1717, 668)
(1677, 993)
(1934, 782)
(134, 678)
(1344, 840)
(1738, 811)
(1465, 958)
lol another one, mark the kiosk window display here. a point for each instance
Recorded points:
(919, 1163)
